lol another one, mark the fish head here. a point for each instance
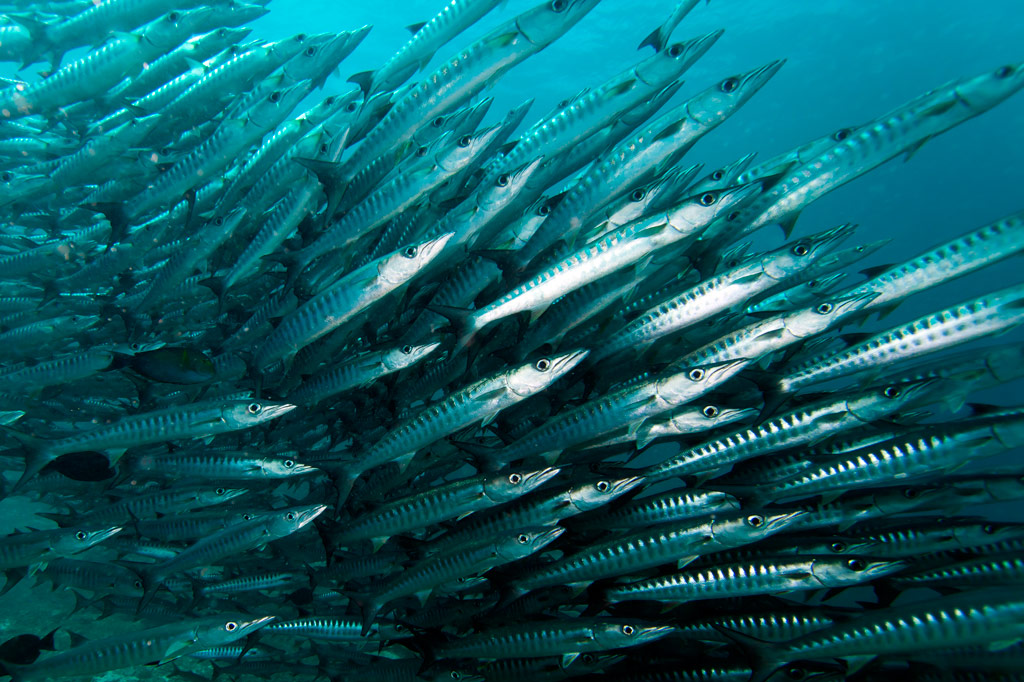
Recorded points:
(220, 39)
(824, 314)
(595, 494)
(276, 104)
(751, 526)
(545, 22)
(987, 533)
(791, 259)
(622, 634)
(227, 628)
(210, 496)
(695, 213)
(69, 541)
(692, 380)
(978, 94)
(507, 186)
(1001, 487)
(172, 28)
(278, 467)
(534, 377)
(835, 572)
(880, 401)
(289, 47)
(718, 102)
(670, 63)
(242, 414)
(316, 61)
(723, 177)
(456, 152)
(526, 541)
(400, 266)
(15, 185)
(710, 415)
(408, 355)
(287, 521)
(236, 13)
(904, 498)
(504, 487)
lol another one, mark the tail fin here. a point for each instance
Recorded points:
(461, 320)
(36, 457)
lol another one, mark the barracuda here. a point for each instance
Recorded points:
(983, 316)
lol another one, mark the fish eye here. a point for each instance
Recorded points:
(891, 392)
(602, 486)
(438, 122)
(138, 584)
(717, 175)
(841, 134)
(755, 521)
(301, 37)
(247, 517)
(675, 50)
(275, 96)
(838, 547)
(801, 250)
(796, 673)
(421, 152)
(733, 216)
(710, 411)
(988, 529)
(290, 516)
(558, 5)
(350, 107)
(542, 365)
(288, 464)
(856, 565)
(220, 491)
(173, 16)
(515, 479)
(218, 221)
(406, 349)
(81, 535)
(638, 194)
(231, 626)
(696, 374)
(502, 180)
(324, 148)
(707, 199)
(410, 252)
(6, 176)
(455, 675)
(587, 658)
(328, 101)
(310, 51)
(135, 346)
(1004, 71)
(824, 308)
(544, 209)
(729, 84)
(254, 408)
(465, 140)
(909, 493)
(628, 630)
(523, 538)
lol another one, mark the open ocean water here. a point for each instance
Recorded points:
(847, 62)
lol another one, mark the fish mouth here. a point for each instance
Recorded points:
(655, 631)
(755, 80)
(538, 478)
(563, 364)
(101, 535)
(779, 521)
(255, 624)
(836, 234)
(275, 411)
(624, 485)
(306, 516)
(549, 536)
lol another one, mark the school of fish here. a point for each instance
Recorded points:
(355, 386)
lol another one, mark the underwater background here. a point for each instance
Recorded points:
(847, 62)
